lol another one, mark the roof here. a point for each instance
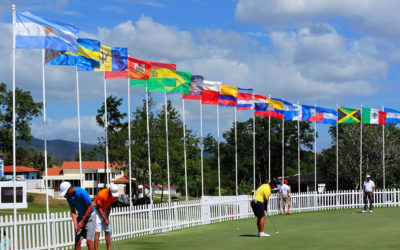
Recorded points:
(88, 165)
(157, 186)
(123, 179)
(10, 169)
(53, 171)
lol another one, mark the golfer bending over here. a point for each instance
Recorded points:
(259, 204)
(368, 193)
(284, 190)
(84, 225)
(103, 203)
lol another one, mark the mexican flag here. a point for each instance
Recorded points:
(373, 116)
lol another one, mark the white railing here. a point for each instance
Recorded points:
(135, 222)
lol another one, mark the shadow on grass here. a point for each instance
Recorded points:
(248, 235)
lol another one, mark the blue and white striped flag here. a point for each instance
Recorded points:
(34, 32)
(392, 116)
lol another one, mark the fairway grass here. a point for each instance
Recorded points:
(335, 229)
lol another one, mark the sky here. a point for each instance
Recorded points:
(324, 53)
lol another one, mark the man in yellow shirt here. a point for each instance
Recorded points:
(259, 204)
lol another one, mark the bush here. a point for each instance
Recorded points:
(29, 198)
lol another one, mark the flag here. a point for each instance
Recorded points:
(210, 92)
(329, 116)
(90, 49)
(373, 116)
(179, 84)
(311, 114)
(59, 57)
(32, 32)
(346, 115)
(393, 116)
(196, 88)
(275, 108)
(228, 96)
(244, 99)
(290, 113)
(111, 59)
(260, 105)
(300, 113)
(137, 69)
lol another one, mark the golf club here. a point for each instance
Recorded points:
(273, 225)
(112, 241)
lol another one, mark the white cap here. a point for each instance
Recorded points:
(64, 186)
(368, 176)
(114, 190)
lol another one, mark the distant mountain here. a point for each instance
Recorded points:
(60, 149)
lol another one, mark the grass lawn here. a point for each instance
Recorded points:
(339, 229)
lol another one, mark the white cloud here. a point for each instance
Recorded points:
(369, 16)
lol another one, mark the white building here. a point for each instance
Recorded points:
(92, 172)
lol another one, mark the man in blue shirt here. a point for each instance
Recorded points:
(85, 223)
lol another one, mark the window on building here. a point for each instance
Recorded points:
(112, 175)
(7, 194)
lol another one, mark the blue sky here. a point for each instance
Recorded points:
(316, 52)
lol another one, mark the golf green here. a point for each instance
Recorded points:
(334, 229)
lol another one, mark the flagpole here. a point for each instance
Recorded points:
(315, 153)
(106, 128)
(283, 150)
(219, 170)
(254, 151)
(383, 158)
(45, 148)
(13, 131)
(166, 140)
(79, 127)
(184, 148)
(298, 146)
(129, 154)
(337, 157)
(236, 156)
(269, 146)
(361, 134)
(149, 159)
(201, 149)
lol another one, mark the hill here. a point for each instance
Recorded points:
(60, 149)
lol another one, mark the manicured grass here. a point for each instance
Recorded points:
(339, 229)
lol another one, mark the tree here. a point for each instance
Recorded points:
(117, 135)
(25, 108)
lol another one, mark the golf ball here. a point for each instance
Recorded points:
(237, 229)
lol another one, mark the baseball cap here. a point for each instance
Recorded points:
(285, 181)
(114, 190)
(64, 186)
(368, 176)
(274, 183)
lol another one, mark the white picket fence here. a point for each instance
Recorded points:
(143, 220)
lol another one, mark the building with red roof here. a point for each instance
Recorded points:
(21, 172)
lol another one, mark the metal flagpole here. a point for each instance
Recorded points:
(383, 159)
(149, 159)
(79, 127)
(315, 160)
(106, 126)
(283, 150)
(130, 155)
(201, 149)
(361, 134)
(219, 170)
(298, 145)
(13, 131)
(184, 148)
(166, 140)
(337, 158)
(236, 156)
(254, 152)
(269, 146)
(45, 149)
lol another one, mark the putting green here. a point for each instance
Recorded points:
(338, 229)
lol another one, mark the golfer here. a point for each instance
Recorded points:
(284, 191)
(368, 193)
(259, 204)
(103, 203)
(85, 223)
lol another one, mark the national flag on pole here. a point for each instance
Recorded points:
(137, 69)
(244, 99)
(111, 59)
(290, 112)
(301, 113)
(210, 92)
(312, 114)
(275, 108)
(179, 84)
(329, 116)
(196, 88)
(347, 115)
(228, 96)
(32, 32)
(260, 105)
(264, 106)
(393, 116)
(90, 49)
(373, 116)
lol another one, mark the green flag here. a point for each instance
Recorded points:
(180, 84)
(346, 115)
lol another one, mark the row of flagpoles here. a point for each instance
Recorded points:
(61, 46)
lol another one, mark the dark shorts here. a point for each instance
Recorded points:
(258, 208)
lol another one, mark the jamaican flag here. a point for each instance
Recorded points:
(346, 115)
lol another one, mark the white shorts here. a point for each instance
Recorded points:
(100, 225)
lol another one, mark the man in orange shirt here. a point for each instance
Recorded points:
(103, 204)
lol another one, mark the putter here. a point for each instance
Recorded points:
(112, 241)
(273, 225)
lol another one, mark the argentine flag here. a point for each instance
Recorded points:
(393, 116)
(32, 32)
